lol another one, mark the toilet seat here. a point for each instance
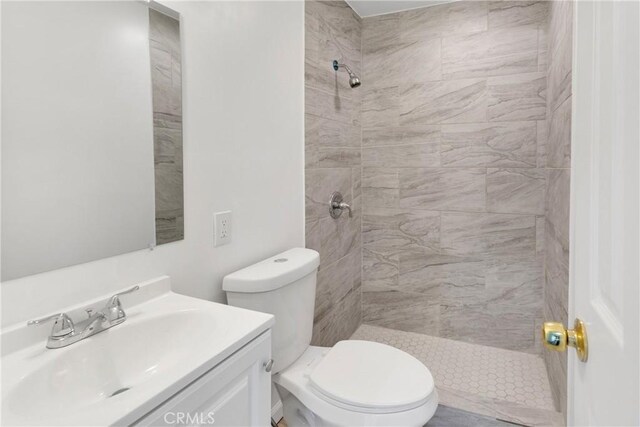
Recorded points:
(361, 383)
(371, 377)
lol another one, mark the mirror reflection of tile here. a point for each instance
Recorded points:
(166, 75)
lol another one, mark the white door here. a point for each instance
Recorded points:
(604, 278)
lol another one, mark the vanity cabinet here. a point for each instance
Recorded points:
(236, 392)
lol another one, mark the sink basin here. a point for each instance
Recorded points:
(119, 375)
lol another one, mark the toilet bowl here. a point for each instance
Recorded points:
(354, 383)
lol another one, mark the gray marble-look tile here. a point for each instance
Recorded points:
(420, 155)
(332, 106)
(445, 279)
(340, 236)
(442, 189)
(487, 234)
(556, 275)
(515, 281)
(380, 31)
(541, 143)
(559, 137)
(540, 221)
(400, 135)
(321, 132)
(560, 52)
(517, 97)
(479, 323)
(507, 411)
(312, 234)
(490, 53)
(446, 19)
(335, 281)
(398, 228)
(455, 101)
(543, 49)
(508, 144)
(407, 62)
(356, 182)
(380, 268)
(519, 190)
(557, 204)
(381, 107)
(380, 187)
(517, 13)
(338, 157)
(340, 323)
(447, 417)
(399, 310)
(320, 184)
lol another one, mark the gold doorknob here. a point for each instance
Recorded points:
(556, 337)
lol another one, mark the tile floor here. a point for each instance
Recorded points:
(503, 384)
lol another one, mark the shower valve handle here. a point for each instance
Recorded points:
(337, 205)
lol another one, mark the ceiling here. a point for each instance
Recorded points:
(380, 7)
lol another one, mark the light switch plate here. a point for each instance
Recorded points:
(221, 228)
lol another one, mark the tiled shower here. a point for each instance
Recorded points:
(454, 153)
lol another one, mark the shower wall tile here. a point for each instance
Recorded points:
(508, 144)
(320, 184)
(329, 106)
(560, 52)
(401, 228)
(541, 143)
(558, 163)
(419, 155)
(490, 53)
(379, 32)
(333, 157)
(454, 144)
(517, 14)
(400, 310)
(380, 268)
(452, 18)
(443, 189)
(454, 101)
(559, 137)
(487, 234)
(380, 188)
(400, 135)
(403, 62)
(516, 190)
(517, 97)
(381, 107)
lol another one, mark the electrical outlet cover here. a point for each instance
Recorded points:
(222, 228)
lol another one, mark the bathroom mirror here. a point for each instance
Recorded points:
(91, 132)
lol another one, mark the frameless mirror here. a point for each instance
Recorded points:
(91, 132)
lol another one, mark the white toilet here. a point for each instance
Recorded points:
(354, 383)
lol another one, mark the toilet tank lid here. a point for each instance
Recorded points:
(273, 273)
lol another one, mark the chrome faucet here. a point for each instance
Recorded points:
(65, 332)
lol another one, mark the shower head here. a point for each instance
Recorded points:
(354, 80)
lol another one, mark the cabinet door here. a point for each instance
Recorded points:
(237, 392)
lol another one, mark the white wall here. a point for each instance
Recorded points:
(77, 148)
(243, 100)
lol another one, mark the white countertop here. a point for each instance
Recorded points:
(166, 342)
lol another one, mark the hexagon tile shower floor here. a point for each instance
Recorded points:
(491, 381)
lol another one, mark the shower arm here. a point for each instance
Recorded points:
(337, 66)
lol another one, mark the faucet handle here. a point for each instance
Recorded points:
(114, 309)
(62, 325)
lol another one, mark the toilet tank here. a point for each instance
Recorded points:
(285, 286)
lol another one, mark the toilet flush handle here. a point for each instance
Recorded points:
(268, 365)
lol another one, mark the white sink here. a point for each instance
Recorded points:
(119, 375)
